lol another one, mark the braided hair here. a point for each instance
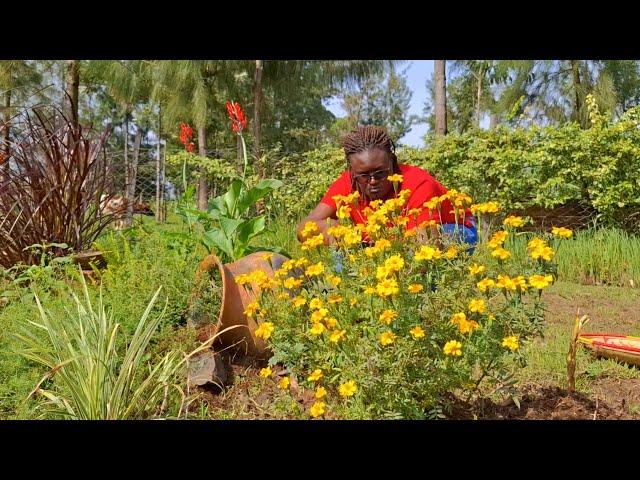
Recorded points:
(369, 137)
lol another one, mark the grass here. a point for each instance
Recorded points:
(546, 357)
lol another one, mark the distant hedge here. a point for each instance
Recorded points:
(538, 166)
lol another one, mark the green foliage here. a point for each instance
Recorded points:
(540, 166)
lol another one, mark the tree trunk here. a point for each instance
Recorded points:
(133, 172)
(127, 167)
(159, 176)
(7, 118)
(71, 89)
(479, 96)
(203, 197)
(440, 97)
(493, 121)
(257, 105)
(577, 86)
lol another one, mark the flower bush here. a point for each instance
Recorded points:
(389, 330)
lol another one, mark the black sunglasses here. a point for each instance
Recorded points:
(378, 175)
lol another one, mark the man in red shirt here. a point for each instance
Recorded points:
(371, 159)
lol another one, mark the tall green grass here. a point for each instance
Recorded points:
(605, 256)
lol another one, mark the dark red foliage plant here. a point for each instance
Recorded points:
(50, 187)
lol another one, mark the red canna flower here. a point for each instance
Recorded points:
(236, 115)
(186, 132)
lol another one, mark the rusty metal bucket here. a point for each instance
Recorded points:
(235, 299)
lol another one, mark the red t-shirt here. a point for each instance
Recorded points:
(423, 188)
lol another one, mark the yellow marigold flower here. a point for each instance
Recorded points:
(414, 212)
(264, 330)
(266, 372)
(310, 228)
(396, 178)
(330, 322)
(410, 233)
(491, 318)
(315, 375)
(315, 303)
(291, 283)
(387, 288)
(451, 253)
(371, 251)
(344, 212)
(492, 207)
(453, 348)
(266, 256)
(394, 263)
(313, 242)
(382, 244)
(540, 281)
(316, 269)
(334, 280)
(243, 279)
(334, 299)
(337, 335)
(369, 290)
(415, 288)
(317, 329)
(321, 392)
(298, 302)
(348, 389)
(510, 342)
(458, 317)
(387, 316)
(402, 220)
(387, 338)
(339, 199)
(485, 284)
(428, 253)
(500, 236)
(417, 332)
(283, 296)
(383, 272)
(521, 283)
(353, 301)
(284, 383)
(546, 253)
(319, 314)
(501, 253)
(477, 305)
(427, 223)
(468, 326)
(317, 409)
(535, 243)
(475, 269)
(251, 309)
(513, 221)
(432, 204)
(506, 282)
(561, 232)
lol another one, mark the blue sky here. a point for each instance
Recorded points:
(417, 74)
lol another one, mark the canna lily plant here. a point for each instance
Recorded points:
(229, 226)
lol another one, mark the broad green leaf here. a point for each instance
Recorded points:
(216, 239)
(250, 197)
(250, 228)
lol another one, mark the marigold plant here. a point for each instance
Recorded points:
(394, 328)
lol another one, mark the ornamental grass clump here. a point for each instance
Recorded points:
(395, 328)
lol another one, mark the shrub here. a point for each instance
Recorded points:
(388, 331)
(50, 189)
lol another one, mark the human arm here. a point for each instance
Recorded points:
(324, 216)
